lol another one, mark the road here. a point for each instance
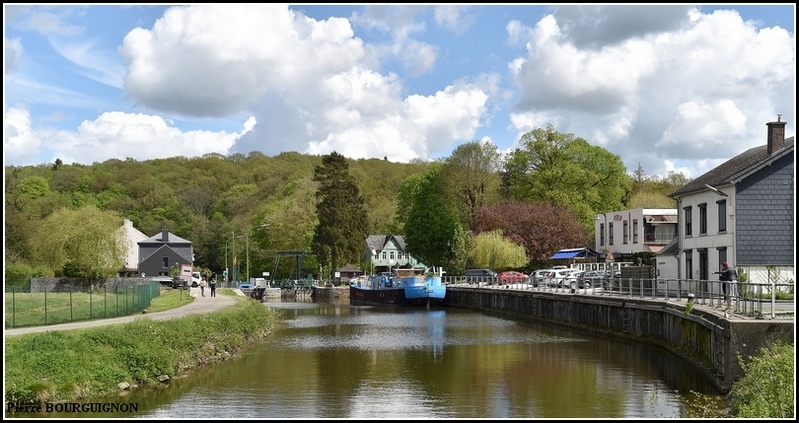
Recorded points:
(200, 305)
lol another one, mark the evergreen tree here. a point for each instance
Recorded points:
(340, 235)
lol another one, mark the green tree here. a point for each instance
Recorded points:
(564, 170)
(471, 177)
(492, 250)
(343, 221)
(430, 223)
(87, 242)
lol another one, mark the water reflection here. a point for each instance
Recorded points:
(334, 360)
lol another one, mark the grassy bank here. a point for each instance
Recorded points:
(79, 364)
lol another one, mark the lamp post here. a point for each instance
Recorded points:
(232, 238)
(262, 225)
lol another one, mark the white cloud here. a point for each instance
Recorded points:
(703, 89)
(13, 54)
(111, 135)
(309, 83)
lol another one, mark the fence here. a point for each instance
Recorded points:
(744, 298)
(48, 304)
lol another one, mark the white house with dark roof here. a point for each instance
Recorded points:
(386, 252)
(132, 237)
(741, 212)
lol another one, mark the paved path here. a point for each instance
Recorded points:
(200, 305)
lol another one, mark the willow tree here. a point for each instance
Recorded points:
(494, 251)
(565, 170)
(86, 242)
(340, 236)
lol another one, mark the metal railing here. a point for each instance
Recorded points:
(760, 300)
(75, 302)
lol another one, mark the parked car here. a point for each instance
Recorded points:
(537, 277)
(591, 278)
(512, 276)
(481, 276)
(558, 277)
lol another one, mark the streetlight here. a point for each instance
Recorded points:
(233, 254)
(262, 225)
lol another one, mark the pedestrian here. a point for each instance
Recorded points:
(202, 287)
(213, 287)
(728, 276)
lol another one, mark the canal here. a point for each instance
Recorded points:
(334, 360)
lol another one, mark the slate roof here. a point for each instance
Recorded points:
(377, 242)
(737, 168)
(158, 238)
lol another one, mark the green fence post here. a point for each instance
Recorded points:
(13, 307)
(91, 294)
(45, 305)
(70, 302)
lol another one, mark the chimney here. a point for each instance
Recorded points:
(164, 235)
(776, 136)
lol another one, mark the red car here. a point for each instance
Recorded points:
(512, 276)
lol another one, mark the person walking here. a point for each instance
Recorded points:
(203, 283)
(213, 287)
(729, 281)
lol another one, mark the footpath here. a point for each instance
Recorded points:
(200, 305)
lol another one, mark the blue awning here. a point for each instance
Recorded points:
(570, 253)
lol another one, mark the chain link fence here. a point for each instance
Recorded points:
(51, 301)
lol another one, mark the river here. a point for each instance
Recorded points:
(334, 360)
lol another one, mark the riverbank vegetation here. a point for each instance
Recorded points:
(78, 364)
(766, 390)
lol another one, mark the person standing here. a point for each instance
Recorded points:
(728, 276)
(213, 287)
(203, 283)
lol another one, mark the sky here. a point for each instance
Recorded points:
(669, 88)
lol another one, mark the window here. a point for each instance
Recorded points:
(722, 255)
(391, 255)
(722, 205)
(703, 219)
(601, 234)
(635, 231)
(624, 231)
(703, 263)
(165, 262)
(610, 233)
(689, 264)
(385, 256)
(687, 212)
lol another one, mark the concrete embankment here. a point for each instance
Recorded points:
(703, 335)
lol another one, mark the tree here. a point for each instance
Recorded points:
(341, 233)
(494, 251)
(564, 170)
(430, 224)
(541, 228)
(86, 242)
(472, 177)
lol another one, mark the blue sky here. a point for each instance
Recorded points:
(670, 87)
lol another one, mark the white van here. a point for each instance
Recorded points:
(195, 279)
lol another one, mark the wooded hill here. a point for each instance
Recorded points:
(541, 197)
